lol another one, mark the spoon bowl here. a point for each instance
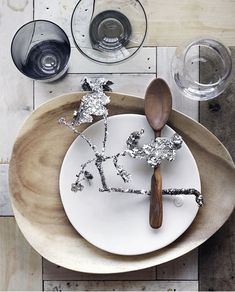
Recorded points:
(158, 104)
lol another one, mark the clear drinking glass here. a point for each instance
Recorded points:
(40, 49)
(202, 69)
(109, 31)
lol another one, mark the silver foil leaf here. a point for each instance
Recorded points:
(95, 84)
(93, 103)
(134, 138)
(156, 151)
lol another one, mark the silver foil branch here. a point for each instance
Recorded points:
(94, 104)
(171, 192)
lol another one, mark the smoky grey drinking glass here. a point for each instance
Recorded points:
(202, 69)
(108, 31)
(40, 50)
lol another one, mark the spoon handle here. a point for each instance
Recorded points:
(156, 210)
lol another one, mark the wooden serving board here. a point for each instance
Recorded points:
(34, 171)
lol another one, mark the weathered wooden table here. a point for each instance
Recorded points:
(170, 23)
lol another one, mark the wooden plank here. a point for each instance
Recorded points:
(182, 268)
(172, 24)
(217, 255)
(5, 205)
(58, 11)
(218, 114)
(144, 61)
(134, 84)
(54, 272)
(178, 22)
(20, 267)
(217, 260)
(16, 90)
(120, 286)
(180, 102)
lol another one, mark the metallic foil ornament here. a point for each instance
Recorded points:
(94, 104)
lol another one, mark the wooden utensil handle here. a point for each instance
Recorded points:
(156, 210)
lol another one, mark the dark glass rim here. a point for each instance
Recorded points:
(115, 62)
(40, 20)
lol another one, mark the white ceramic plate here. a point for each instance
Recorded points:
(119, 223)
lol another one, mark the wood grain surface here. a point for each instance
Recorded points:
(16, 91)
(120, 286)
(218, 253)
(139, 63)
(173, 22)
(182, 268)
(53, 272)
(170, 22)
(34, 174)
(23, 270)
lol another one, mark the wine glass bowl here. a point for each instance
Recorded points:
(202, 69)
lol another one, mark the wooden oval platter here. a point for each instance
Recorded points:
(34, 171)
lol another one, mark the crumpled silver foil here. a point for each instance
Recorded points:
(156, 151)
(94, 104)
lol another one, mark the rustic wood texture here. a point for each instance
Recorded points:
(156, 206)
(16, 91)
(183, 268)
(120, 286)
(169, 22)
(20, 268)
(144, 61)
(218, 114)
(39, 211)
(54, 273)
(218, 253)
(177, 22)
(58, 11)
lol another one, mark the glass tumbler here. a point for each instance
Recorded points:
(202, 69)
(108, 31)
(40, 50)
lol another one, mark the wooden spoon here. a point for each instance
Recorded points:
(158, 105)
